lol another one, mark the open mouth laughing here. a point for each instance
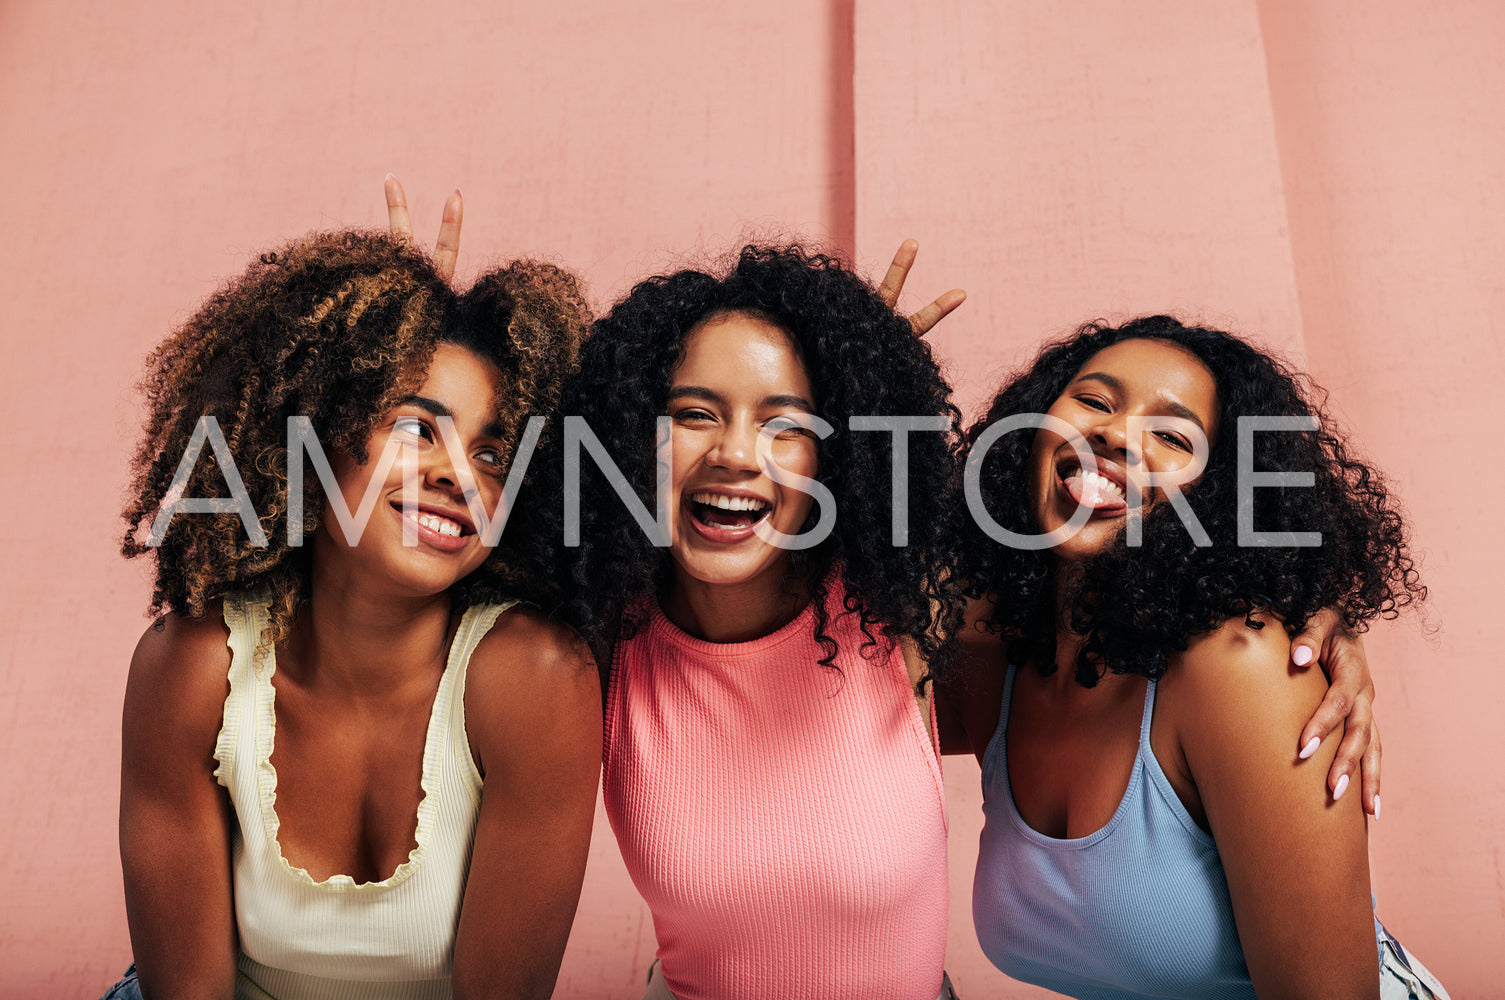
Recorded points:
(727, 517)
(1101, 489)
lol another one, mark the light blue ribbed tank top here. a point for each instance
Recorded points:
(1138, 909)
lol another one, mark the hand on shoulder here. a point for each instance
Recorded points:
(1237, 684)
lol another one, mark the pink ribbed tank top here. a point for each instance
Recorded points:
(785, 823)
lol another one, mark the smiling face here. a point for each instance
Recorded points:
(738, 373)
(460, 386)
(1160, 384)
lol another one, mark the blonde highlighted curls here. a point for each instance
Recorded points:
(528, 318)
(539, 313)
(337, 327)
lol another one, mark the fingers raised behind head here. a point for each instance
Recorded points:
(398, 223)
(893, 279)
(447, 247)
(932, 314)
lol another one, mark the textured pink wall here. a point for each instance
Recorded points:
(1394, 171)
(1326, 175)
(1064, 168)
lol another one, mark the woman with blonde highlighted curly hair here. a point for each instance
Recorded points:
(352, 767)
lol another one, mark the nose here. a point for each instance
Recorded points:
(1112, 433)
(735, 447)
(438, 472)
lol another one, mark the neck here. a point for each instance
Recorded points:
(366, 644)
(738, 612)
(1068, 643)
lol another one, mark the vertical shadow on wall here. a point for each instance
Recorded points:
(1290, 57)
(841, 128)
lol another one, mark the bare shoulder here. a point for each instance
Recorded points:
(1239, 679)
(531, 689)
(524, 647)
(175, 818)
(174, 708)
(969, 702)
(180, 670)
(1241, 659)
(1295, 859)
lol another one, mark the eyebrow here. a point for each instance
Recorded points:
(701, 392)
(438, 409)
(1174, 408)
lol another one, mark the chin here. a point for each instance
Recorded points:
(1090, 541)
(426, 581)
(729, 570)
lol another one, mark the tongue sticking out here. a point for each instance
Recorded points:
(1092, 493)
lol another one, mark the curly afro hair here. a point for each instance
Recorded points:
(1136, 605)
(336, 327)
(862, 359)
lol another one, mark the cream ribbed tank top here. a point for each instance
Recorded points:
(339, 939)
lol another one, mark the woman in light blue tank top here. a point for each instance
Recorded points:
(1151, 830)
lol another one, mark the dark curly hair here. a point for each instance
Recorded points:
(337, 327)
(861, 357)
(1135, 605)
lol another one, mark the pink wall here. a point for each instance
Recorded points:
(1326, 175)
(1061, 170)
(1395, 188)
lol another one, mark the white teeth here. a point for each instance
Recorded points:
(1103, 482)
(725, 502)
(442, 525)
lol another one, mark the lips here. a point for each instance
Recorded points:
(440, 529)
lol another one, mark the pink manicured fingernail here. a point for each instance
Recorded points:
(1340, 787)
(1301, 656)
(1311, 747)
(1376, 807)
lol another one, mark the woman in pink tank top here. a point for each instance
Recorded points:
(770, 772)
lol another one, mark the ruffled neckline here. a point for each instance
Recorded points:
(251, 612)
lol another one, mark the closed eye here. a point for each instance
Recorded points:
(790, 426)
(1173, 440)
(1095, 403)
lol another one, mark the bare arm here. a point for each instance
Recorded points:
(533, 713)
(967, 705)
(174, 817)
(1296, 860)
